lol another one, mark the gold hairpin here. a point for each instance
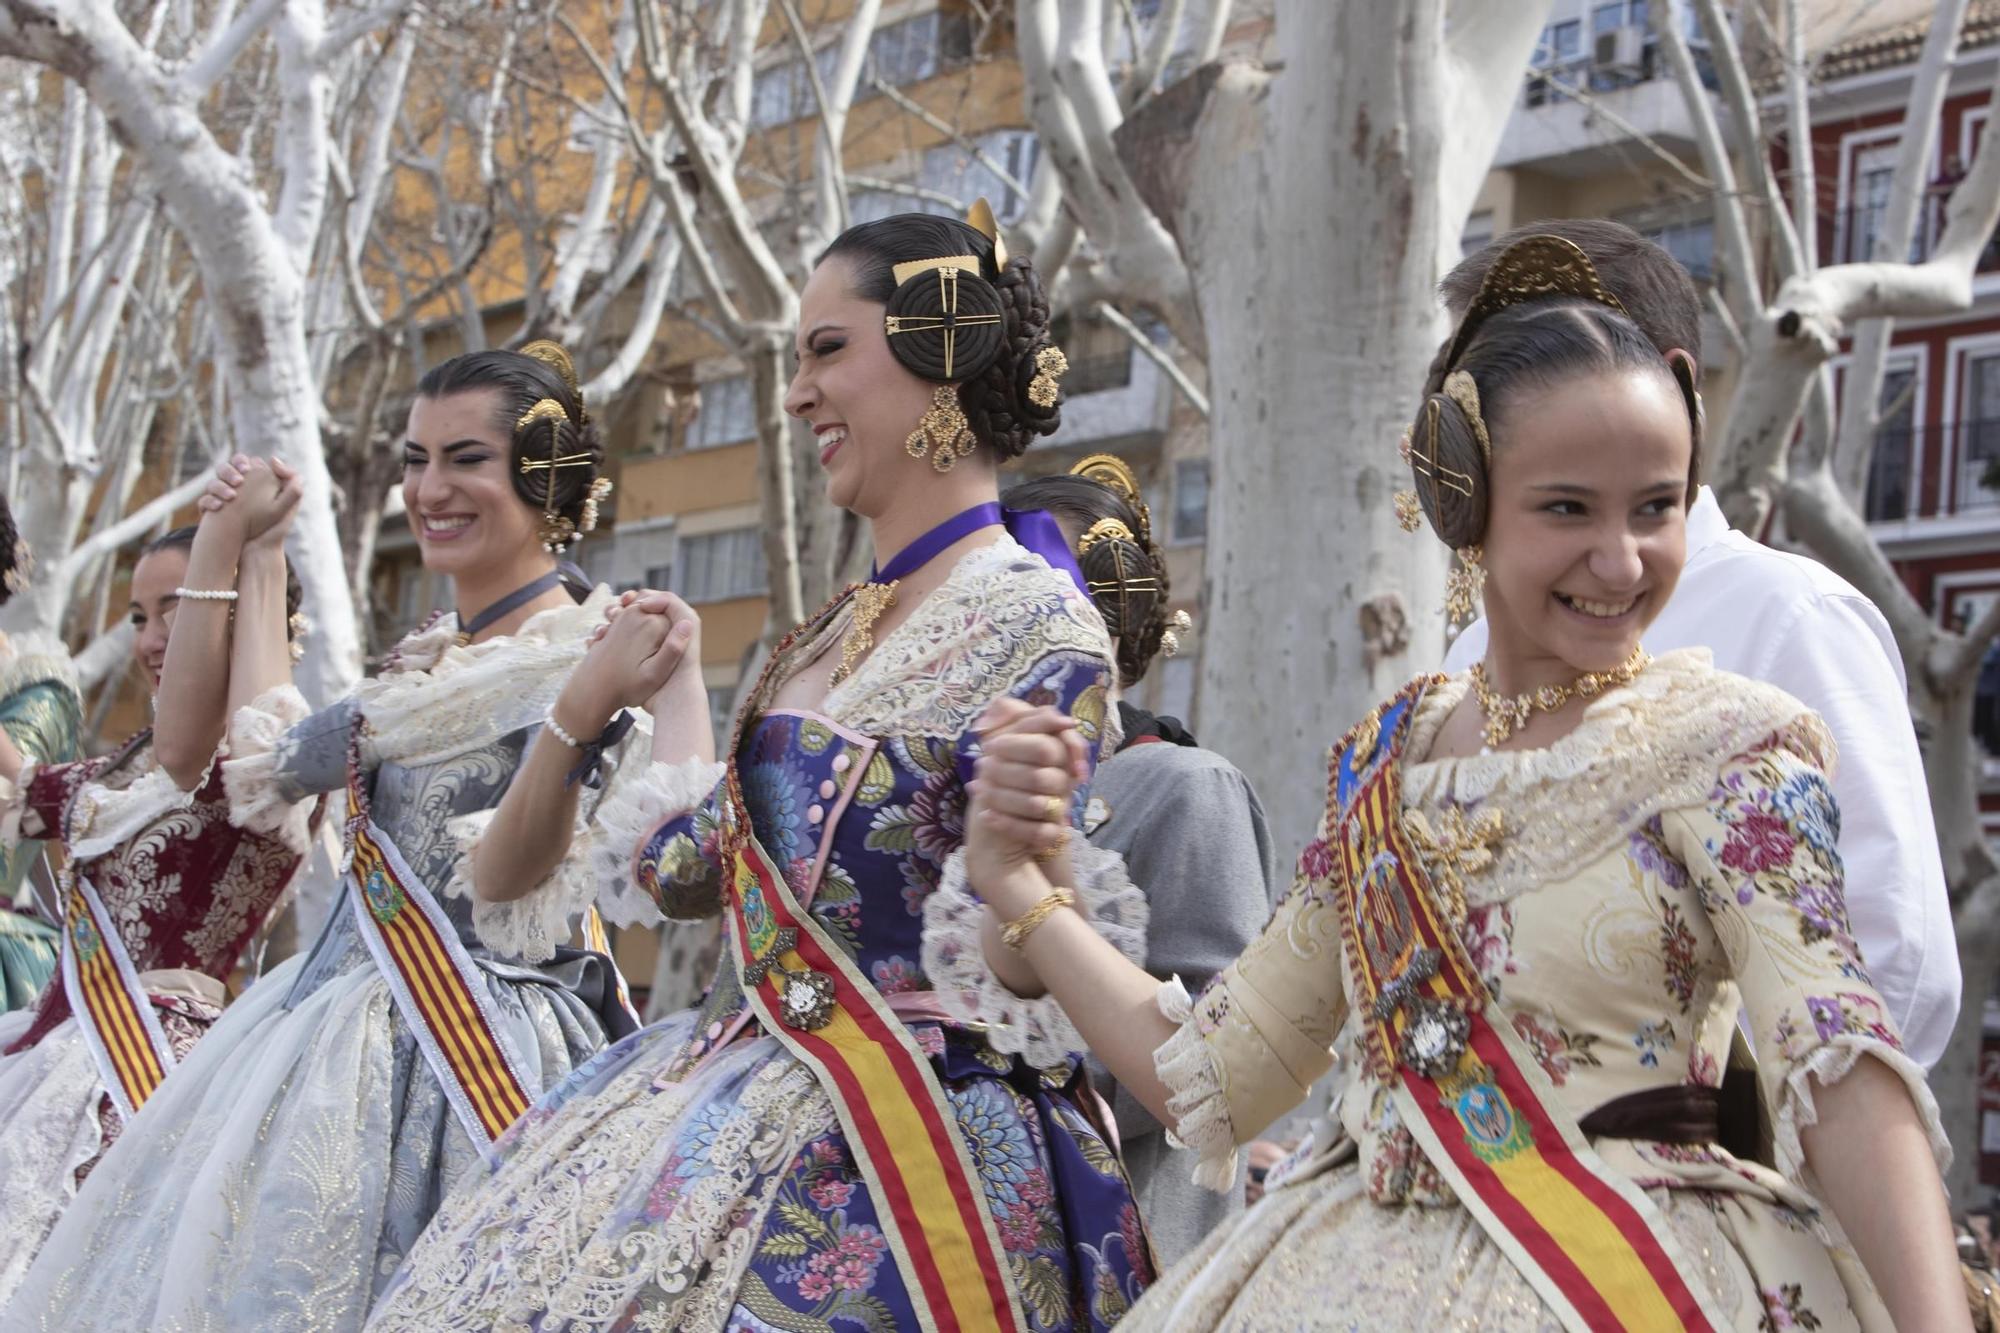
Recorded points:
(1529, 270)
(1437, 472)
(1050, 366)
(910, 268)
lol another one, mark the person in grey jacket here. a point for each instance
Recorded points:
(1186, 821)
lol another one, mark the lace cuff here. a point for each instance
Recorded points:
(14, 803)
(1829, 1064)
(249, 772)
(531, 926)
(1197, 1097)
(251, 769)
(627, 819)
(954, 956)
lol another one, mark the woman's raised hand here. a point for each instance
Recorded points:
(256, 496)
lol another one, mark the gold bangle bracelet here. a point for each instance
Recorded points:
(1015, 933)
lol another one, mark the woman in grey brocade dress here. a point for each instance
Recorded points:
(278, 1176)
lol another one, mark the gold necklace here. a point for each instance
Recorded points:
(870, 601)
(1505, 716)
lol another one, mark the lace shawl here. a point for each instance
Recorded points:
(1639, 751)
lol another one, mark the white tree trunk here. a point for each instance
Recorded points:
(1311, 207)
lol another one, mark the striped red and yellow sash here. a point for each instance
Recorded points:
(898, 1123)
(436, 986)
(1590, 1242)
(117, 1020)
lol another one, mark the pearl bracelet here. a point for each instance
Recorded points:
(557, 730)
(206, 594)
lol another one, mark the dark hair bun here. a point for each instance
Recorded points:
(1000, 404)
(946, 324)
(1128, 584)
(1448, 470)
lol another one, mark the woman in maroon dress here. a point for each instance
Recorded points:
(161, 890)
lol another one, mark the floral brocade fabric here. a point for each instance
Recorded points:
(1682, 908)
(697, 1175)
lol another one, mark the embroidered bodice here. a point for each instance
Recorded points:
(1694, 879)
(184, 886)
(863, 805)
(443, 732)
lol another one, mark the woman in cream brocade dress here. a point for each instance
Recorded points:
(1665, 865)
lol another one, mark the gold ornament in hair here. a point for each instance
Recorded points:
(1104, 529)
(1050, 366)
(1426, 463)
(552, 355)
(1530, 270)
(556, 531)
(1115, 475)
(1178, 624)
(1461, 388)
(980, 218)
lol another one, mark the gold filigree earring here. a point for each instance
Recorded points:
(1462, 586)
(942, 431)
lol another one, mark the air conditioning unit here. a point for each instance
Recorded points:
(1620, 49)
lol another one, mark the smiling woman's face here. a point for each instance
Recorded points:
(859, 400)
(1586, 530)
(462, 504)
(155, 581)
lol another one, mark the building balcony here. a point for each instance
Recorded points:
(1847, 235)
(1935, 490)
(1554, 132)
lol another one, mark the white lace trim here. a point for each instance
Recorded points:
(1000, 610)
(33, 657)
(103, 818)
(437, 699)
(1829, 1064)
(954, 955)
(531, 926)
(1197, 1093)
(254, 734)
(628, 818)
(1655, 745)
(14, 803)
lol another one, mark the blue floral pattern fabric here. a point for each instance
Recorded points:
(697, 1176)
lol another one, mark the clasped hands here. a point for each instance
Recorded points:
(646, 654)
(1031, 760)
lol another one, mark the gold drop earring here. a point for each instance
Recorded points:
(942, 431)
(1463, 586)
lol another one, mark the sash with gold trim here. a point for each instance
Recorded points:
(117, 1020)
(807, 993)
(431, 977)
(1591, 1243)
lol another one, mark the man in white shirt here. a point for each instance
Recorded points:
(1782, 618)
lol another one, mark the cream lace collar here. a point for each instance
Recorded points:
(438, 698)
(1655, 745)
(1000, 610)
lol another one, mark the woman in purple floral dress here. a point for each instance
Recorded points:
(856, 1130)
